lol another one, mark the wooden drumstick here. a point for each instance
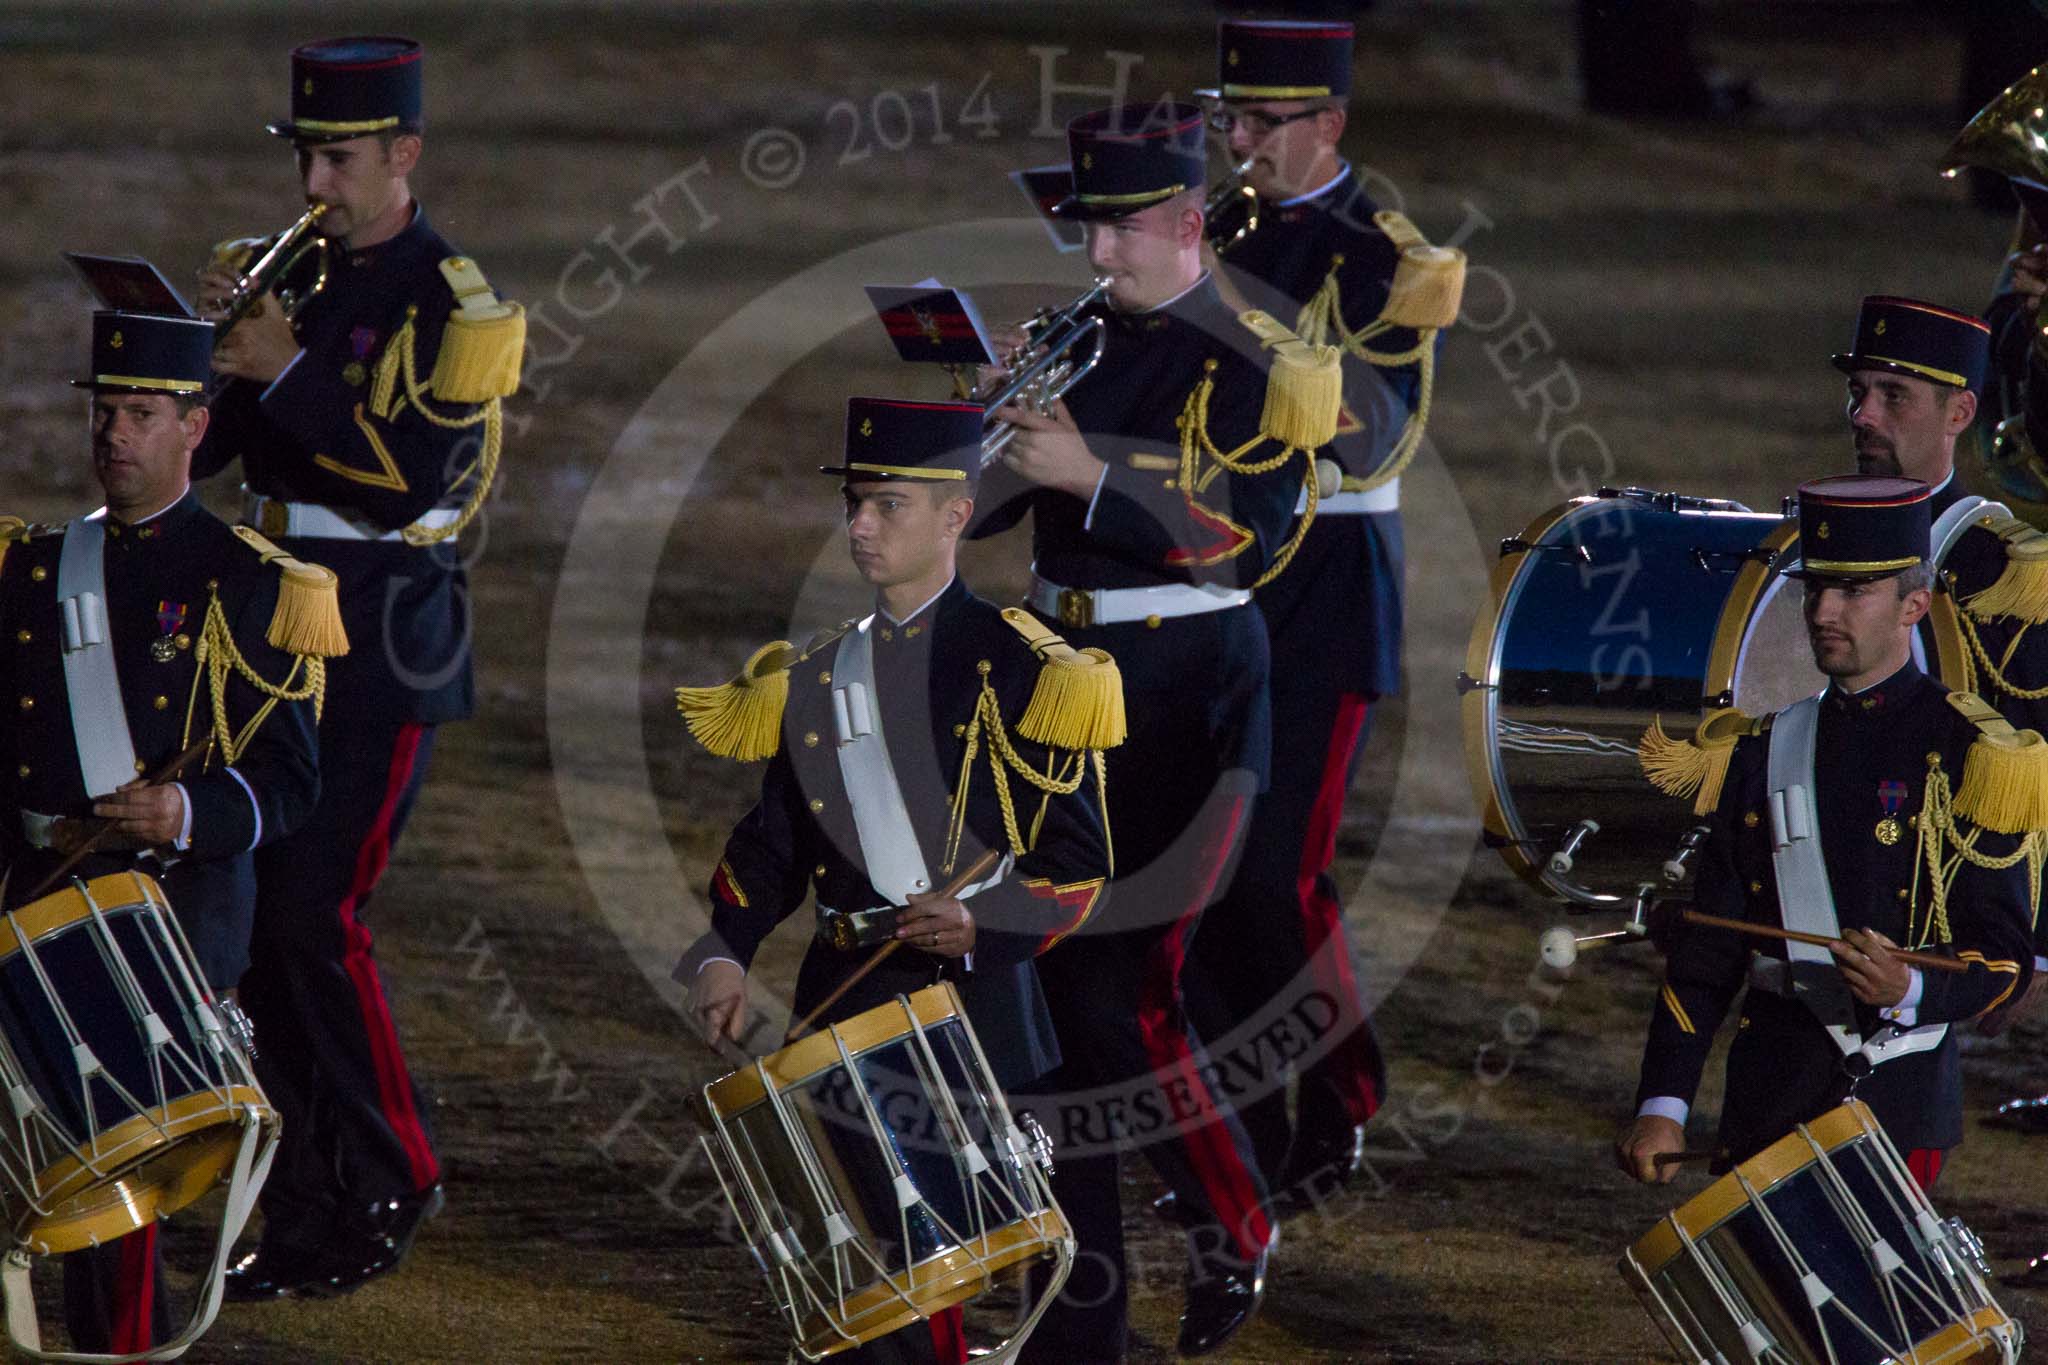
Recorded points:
(980, 868)
(1740, 926)
(1689, 1154)
(78, 855)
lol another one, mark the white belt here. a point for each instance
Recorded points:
(1075, 608)
(309, 519)
(1385, 498)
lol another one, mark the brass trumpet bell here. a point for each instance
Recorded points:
(273, 265)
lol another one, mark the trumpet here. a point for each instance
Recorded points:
(276, 260)
(1051, 362)
(1232, 213)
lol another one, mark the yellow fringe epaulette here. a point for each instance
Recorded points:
(2021, 590)
(742, 719)
(2005, 774)
(1698, 766)
(308, 616)
(483, 343)
(1429, 281)
(1304, 386)
(1078, 702)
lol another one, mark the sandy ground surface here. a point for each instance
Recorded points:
(687, 197)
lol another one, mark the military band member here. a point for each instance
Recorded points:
(988, 727)
(127, 638)
(1334, 618)
(1914, 797)
(1916, 372)
(368, 435)
(1161, 492)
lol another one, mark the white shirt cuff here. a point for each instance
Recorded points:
(255, 809)
(184, 839)
(281, 374)
(1906, 1013)
(1665, 1107)
(2040, 963)
(1088, 522)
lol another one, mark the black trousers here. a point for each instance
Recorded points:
(114, 1301)
(1270, 978)
(328, 1051)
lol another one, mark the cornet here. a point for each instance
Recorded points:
(1050, 363)
(1232, 213)
(276, 260)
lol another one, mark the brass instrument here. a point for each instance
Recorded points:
(1232, 213)
(276, 260)
(2009, 137)
(1050, 363)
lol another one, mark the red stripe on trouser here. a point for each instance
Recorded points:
(1216, 1161)
(1924, 1163)
(949, 1338)
(134, 1294)
(394, 1082)
(1351, 1066)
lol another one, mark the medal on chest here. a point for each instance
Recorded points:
(170, 619)
(1891, 795)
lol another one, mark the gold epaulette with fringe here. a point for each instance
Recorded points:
(1304, 386)
(308, 616)
(1078, 701)
(1698, 766)
(2021, 590)
(483, 342)
(2005, 774)
(742, 719)
(1429, 281)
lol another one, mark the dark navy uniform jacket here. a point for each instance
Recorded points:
(1784, 1069)
(1341, 596)
(160, 577)
(1973, 564)
(311, 437)
(801, 836)
(1143, 532)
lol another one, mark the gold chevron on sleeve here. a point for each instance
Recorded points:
(388, 477)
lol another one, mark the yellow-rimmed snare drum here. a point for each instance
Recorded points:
(128, 1090)
(1608, 612)
(1820, 1250)
(879, 1176)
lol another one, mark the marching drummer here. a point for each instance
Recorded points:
(1915, 376)
(1828, 820)
(911, 745)
(121, 633)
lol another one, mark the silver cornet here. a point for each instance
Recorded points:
(1232, 213)
(1050, 363)
(276, 259)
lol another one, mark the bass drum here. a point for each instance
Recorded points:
(1610, 612)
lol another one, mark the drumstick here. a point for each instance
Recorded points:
(78, 855)
(1689, 1154)
(980, 868)
(1740, 926)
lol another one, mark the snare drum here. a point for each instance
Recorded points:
(878, 1176)
(1608, 612)
(1819, 1250)
(126, 1091)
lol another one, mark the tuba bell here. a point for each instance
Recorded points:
(2009, 137)
(263, 265)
